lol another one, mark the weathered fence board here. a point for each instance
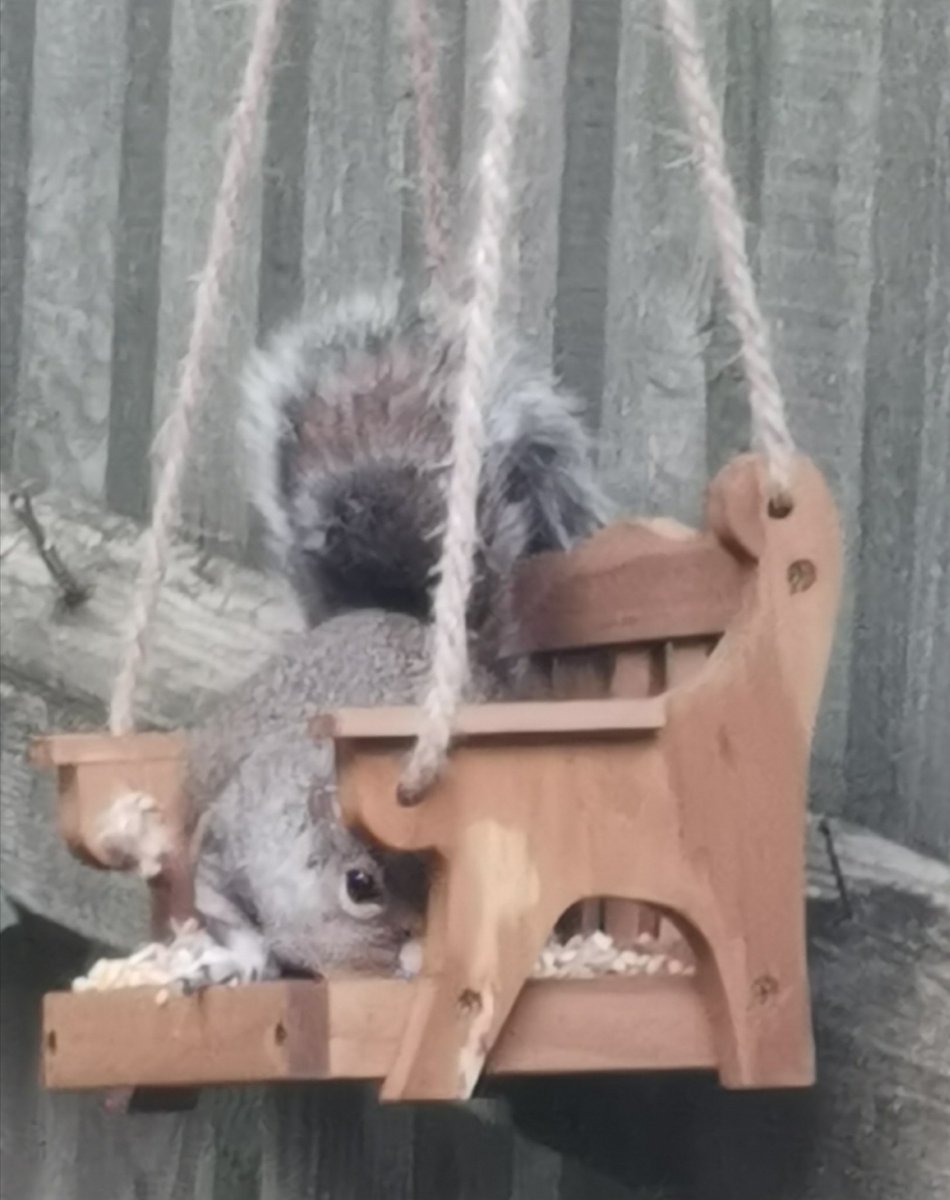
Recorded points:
(208, 50)
(138, 257)
(70, 243)
(17, 26)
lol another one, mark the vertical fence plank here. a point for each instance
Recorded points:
(79, 64)
(281, 286)
(209, 47)
(816, 273)
(584, 236)
(898, 762)
(538, 160)
(653, 450)
(17, 27)
(447, 21)
(359, 111)
(138, 256)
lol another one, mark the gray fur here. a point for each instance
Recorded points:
(347, 420)
(271, 853)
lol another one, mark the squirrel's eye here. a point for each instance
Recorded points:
(362, 888)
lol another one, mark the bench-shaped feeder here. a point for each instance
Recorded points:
(665, 779)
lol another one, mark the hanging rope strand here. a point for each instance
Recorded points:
(433, 170)
(449, 670)
(770, 432)
(176, 436)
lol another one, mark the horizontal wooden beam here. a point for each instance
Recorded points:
(629, 583)
(561, 717)
(350, 1029)
(75, 749)
(217, 621)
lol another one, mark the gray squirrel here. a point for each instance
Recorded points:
(280, 885)
(347, 425)
(347, 420)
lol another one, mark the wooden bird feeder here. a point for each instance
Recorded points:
(670, 771)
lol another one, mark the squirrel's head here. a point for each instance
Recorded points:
(351, 908)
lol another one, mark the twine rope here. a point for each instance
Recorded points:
(175, 438)
(449, 669)
(770, 432)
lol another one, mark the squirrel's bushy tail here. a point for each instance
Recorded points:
(347, 421)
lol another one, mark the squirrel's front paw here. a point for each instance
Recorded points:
(213, 965)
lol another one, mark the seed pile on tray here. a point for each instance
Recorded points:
(596, 954)
(158, 964)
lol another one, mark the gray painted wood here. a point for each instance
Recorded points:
(530, 284)
(79, 60)
(447, 20)
(359, 112)
(590, 102)
(17, 24)
(653, 432)
(209, 46)
(138, 256)
(284, 196)
(899, 659)
(215, 623)
(816, 270)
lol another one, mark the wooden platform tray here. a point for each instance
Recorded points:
(351, 1029)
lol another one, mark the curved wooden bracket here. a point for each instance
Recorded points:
(98, 772)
